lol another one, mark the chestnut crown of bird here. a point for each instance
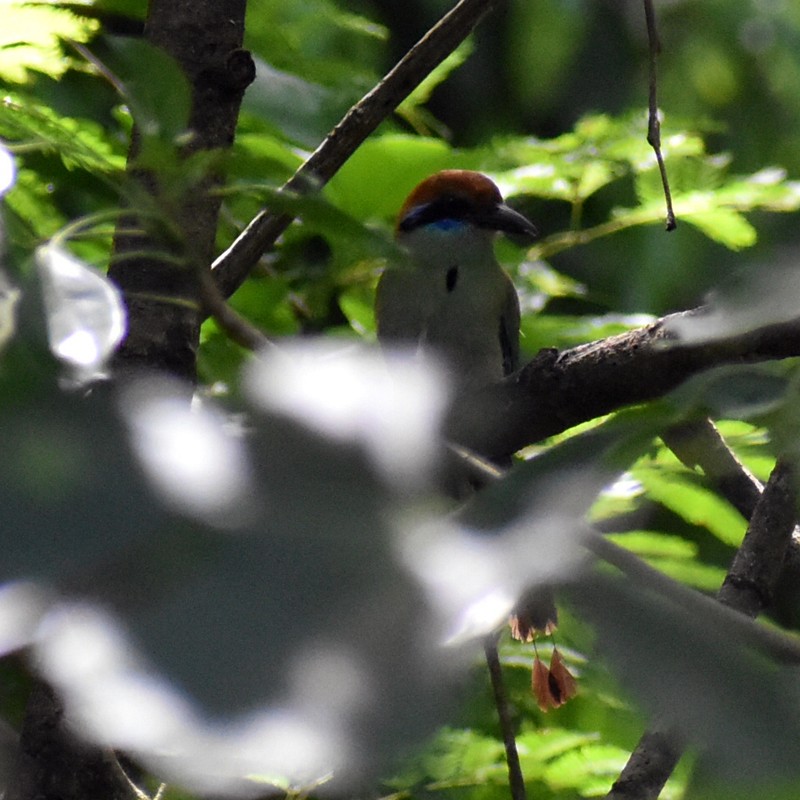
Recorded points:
(451, 296)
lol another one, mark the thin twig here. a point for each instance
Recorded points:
(234, 265)
(653, 124)
(516, 780)
(235, 326)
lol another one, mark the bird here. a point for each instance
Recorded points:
(450, 296)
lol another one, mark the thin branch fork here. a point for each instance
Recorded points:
(234, 265)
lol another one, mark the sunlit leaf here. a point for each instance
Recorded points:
(589, 770)
(655, 543)
(365, 188)
(411, 108)
(32, 36)
(78, 142)
(154, 87)
(694, 503)
(725, 226)
(672, 555)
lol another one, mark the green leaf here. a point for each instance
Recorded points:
(78, 142)
(154, 87)
(563, 481)
(317, 41)
(301, 110)
(411, 108)
(768, 189)
(692, 502)
(655, 543)
(575, 165)
(724, 225)
(357, 306)
(705, 577)
(589, 770)
(31, 38)
(35, 215)
(672, 555)
(378, 176)
(462, 755)
(550, 330)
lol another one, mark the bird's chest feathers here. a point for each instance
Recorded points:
(462, 303)
(459, 296)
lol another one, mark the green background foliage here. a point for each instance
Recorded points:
(549, 98)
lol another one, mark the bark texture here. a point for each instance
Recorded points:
(163, 295)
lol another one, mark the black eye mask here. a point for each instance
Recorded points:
(447, 207)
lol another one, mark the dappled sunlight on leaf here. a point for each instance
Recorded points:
(113, 696)
(299, 646)
(391, 404)
(193, 462)
(464, 574)
(31, 38)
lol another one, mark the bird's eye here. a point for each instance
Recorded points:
(452, 206)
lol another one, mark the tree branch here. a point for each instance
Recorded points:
(699, 444)
(560, 389)
(235, 264)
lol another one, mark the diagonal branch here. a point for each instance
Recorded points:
(235, 264)
(699, 444)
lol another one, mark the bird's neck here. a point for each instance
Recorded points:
(441, 245)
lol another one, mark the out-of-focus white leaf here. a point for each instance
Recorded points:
(86, 317)
(21, 606)
(193, 462)
(8, 172)
(391, 403)
(9, 297)
(474, 577)
(770, 296)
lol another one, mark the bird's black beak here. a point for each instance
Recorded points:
(503, 218)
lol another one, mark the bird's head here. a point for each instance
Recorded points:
(459, 200)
